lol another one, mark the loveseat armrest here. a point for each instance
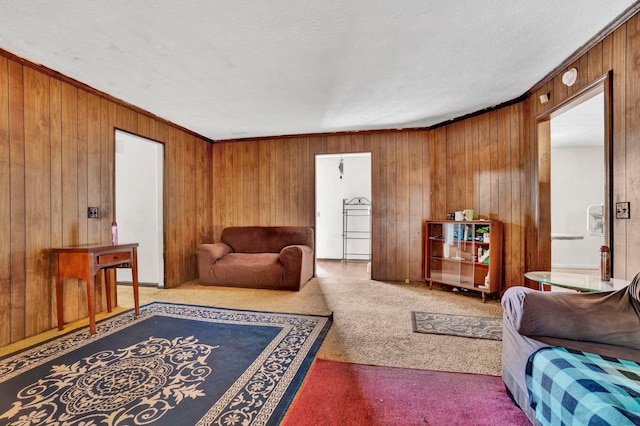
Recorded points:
(297, 264)
(607, 317)
(211, 253)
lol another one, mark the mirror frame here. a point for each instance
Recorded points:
(543, 166)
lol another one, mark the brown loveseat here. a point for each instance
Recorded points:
(268, 257)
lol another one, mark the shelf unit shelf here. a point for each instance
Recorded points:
(465, 254)
(356, 226)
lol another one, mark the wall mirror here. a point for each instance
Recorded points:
(574, 180)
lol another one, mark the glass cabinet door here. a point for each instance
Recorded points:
(464, 254)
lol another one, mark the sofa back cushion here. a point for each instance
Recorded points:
(266, 239)
(609, 317)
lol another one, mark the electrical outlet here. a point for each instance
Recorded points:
(92, 212)
(622, 210)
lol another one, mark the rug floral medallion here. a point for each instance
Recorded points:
(175, 364)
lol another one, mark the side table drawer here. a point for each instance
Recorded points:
(113, 257)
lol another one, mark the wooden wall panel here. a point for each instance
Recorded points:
(37, 199)
(618, 65)
(18, 203)
(94, 161)
(73, 289)
(528, 188)
(94, 184)
(505, 145)
(516, 224)
(57, 210)
(57, 158)
(417, 173)
(5, 207)
(391, 267)
(632, 144)
(484, 169)
(82, 180)
(107, 170)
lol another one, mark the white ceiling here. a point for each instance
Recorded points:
(581, 126)
(235, 68)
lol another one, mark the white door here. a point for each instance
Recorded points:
(139, 183)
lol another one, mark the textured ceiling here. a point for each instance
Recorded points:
(581, 126)
(235, 68)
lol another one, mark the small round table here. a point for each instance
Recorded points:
(579, 282)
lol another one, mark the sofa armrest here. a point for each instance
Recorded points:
(291, 256)
(608, 317)
(297, 264)
(211, 253)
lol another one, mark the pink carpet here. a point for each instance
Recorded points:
(336, 393)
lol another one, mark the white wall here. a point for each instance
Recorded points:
(577, 181)
(330, 191)
(139, 164)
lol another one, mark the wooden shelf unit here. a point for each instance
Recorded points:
(454, 253)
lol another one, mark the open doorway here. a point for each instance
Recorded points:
(578, 186)
(343, 215)
(580, 203)
(139, 205)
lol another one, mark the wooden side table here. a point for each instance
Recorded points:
(83, 262)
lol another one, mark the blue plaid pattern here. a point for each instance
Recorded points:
(568, 387)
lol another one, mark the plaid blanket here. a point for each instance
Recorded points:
(568, 387)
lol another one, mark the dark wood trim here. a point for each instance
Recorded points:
(542, 170)
(608, 162)
(59, 76)
(374, 131)
(575, 99)
(346, 133)
(480, 112)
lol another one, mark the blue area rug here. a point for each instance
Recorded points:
(173, 365)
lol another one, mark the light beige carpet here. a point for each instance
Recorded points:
(372, 319)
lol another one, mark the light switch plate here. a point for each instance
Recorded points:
(622, 210)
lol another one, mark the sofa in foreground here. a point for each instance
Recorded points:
(589, 336)
(266, 257)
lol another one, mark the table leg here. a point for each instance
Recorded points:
(134, 276)
(91, 301)
(106, 275)
(59, 295)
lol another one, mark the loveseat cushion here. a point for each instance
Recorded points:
(610, 318)
(266, 239)
(256, 270)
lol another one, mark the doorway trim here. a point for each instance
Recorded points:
(543, 169)
(338, 172)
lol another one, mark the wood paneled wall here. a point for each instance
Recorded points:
(56, 159)
(619, 52)
(479, 163)
(416, 175)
